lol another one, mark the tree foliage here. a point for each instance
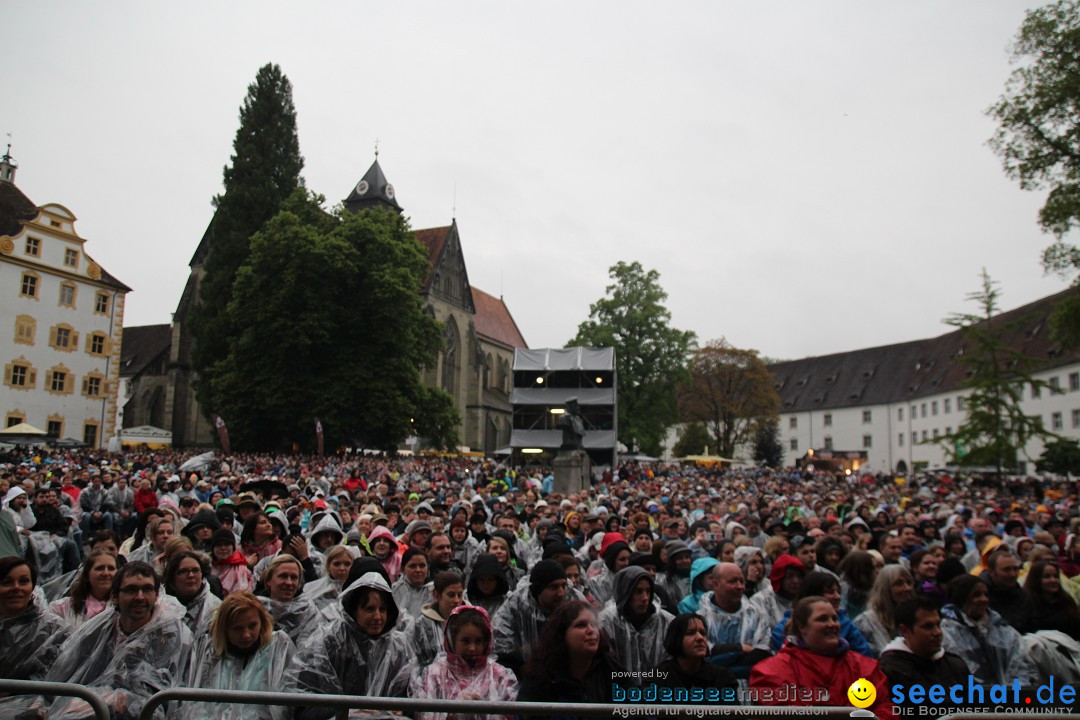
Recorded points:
(330, 324)
(995, 428)
(650, 355)
(1038, 136)
(693, 440)
(768, 447)
(264, 171)
(1061, 456)
(731, 391)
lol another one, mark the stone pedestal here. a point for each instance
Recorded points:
(572, 472)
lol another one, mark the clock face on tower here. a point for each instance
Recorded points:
(361, 187)
(389, 191)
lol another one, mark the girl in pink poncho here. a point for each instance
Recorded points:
(465, 670)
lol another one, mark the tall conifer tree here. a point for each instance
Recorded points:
(265, 170)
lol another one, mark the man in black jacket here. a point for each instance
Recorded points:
(917, 656)
(1010, 600)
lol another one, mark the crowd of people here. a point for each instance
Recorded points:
(462, 578)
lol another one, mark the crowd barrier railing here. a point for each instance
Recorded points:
(56, 689)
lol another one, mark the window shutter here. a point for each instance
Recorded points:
(69, 383)
(85, 386)
(74, 339)
(31, 378)
(52, 336)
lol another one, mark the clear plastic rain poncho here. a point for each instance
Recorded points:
(299, 618)
(50, 562)
(426, 635)
(343, 659)
(516, 627)
(638, 647)
(124, 669)
(200, 611)
(326, 594)
(452, 677)
(30, 642)
(60, 586)
(409, 598)
(994, 653)
(262, 672)
(65, 608)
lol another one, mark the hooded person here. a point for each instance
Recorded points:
(465, 670)
(675, 580)
(360, 653)
(326, 534)
(487, 586)
(229, 564)
(751, 560)
(635, 627)
(464, 547)
(384, 547)
(134, 649)
(518, 622)
(242, 651)
(615, 552)
(778, 596)
(700, 583)
(200, 529)
(426, 636)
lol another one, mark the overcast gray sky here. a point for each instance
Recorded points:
(807, 177)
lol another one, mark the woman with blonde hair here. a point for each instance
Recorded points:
(242, 651)
(878, 623)
(292, 611)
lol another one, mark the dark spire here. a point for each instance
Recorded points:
(373, 191)
(8, 166)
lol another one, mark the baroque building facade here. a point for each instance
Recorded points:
(62, 315)
(473, 368)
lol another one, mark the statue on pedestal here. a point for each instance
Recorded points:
(573, 429)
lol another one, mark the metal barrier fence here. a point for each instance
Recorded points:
(343, 703)
(53, 689)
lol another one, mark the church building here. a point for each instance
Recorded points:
(474, 366)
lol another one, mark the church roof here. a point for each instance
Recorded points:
(15, 208)
(434, 239)
(907, 371)
(493, 320)
(372, 190)
(141, 345)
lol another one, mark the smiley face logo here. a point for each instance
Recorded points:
(862, 693)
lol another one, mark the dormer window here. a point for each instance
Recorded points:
(71, 258)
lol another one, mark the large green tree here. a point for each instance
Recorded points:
(1038, 136)
(731, 391)
(995, 428)
(264, 171)
(694, 439)
(650, 355)
(330, 324)
(768, 447)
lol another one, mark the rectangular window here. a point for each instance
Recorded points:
(793, 423)
(90, 435)
(71, 258)
(827, 420)
(1036, 391)
(922, 409)
(924, 436)
(1074, 381)
(67, 295)
(900, 439)
(948, 430)
(794, 444)
(867, 441)
(866, 416)
(1056, 422)
(914, 438)
(899, 413)
(19, 374)
(33, 246)
(933, 407)
(1055, 385)
(948, 406)
(97, 344)
(101, 303)
(13, 420)
(93, 387)
(1076, 418)
(29, 286)
(63, 337)
(935, 433)
(828, 443)
(58, 381)
(914, 414)
(54, 428)
(960, 404)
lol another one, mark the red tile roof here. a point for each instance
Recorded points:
(493, 320)
(434, 239)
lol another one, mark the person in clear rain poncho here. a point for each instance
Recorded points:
(447, 592)
(185, 579)
(465, 670)
(412, 590)
(127, 653)
(30, 635)
(91, 592)
(487, 587)
(518, 623)
(241, 652)
(293, 612)
(360, 653)
(326, 591)
(615, 552)
(634, 625)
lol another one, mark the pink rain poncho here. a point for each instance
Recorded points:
(451, 677)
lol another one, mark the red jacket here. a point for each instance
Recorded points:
(144, 500)
(808, 670)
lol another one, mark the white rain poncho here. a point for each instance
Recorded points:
(326, 594)
(342, 659)
(60, 586)
(636, 648)
(50, 561)
(30, 642)
(262, 672)
(74, 619)
(200, 611)
(410, 599)
(298, 618)
(516, 627)
(994, 653)
(426, 635)
(451, 677)
(125, 670)
(745, 626)
(602, 586)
